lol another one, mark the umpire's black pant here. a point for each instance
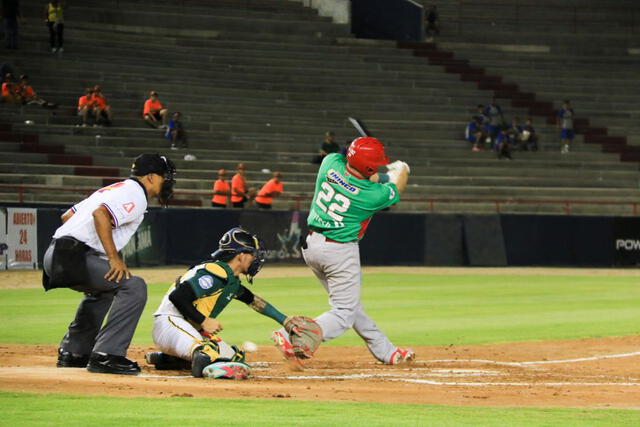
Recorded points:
(125, 300)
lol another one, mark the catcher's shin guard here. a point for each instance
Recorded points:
(202, 356)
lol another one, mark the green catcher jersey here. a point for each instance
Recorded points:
(342, 204)
(214, 285)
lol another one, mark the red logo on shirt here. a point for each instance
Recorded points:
(129, 206)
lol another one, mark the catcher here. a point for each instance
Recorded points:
(185, 324)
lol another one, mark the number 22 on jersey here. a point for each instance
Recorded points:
(332, 203)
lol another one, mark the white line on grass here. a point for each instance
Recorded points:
(537, 362)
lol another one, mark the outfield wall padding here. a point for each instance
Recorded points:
(483, 239)
(185, 236)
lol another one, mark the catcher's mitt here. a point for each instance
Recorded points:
(305, 335)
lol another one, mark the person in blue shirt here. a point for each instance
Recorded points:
(475, 134)
(503, 144)
(564, 122)
(175, 132)
(528, 137)
(495, 120)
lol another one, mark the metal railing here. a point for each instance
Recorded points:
(430, 203)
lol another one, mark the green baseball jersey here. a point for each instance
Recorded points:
(342, 204)
(214, 286)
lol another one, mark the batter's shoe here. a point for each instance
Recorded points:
(228, 370)
(283, 345)
(66, 359)
(104, 363)
(401, 355)
(286, 349)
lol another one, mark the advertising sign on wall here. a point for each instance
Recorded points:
(22, 238)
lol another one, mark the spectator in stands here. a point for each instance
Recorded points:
(432, 26)
(513, 131)
(85, 106)
(564, 121)
(271, 189)
(10, 17)
(475, 134)
(175, 132)
(154, 113)
(239, 192)
(221, 190)
(329, 145)
(101, 109)
(10, 90)
(495, 120)
(345, 147)
(504, 143)
(29, 96)
(54, 18)
(528, 137)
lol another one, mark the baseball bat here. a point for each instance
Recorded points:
(359, 125)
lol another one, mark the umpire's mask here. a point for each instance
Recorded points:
(155, 163)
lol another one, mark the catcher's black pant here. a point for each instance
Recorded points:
(123, 301)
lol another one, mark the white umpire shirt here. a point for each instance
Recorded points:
(126, 202)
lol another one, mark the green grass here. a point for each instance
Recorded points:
(30, 409)
(413, 309)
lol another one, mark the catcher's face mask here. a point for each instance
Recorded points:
(238, 240)
(258, 261)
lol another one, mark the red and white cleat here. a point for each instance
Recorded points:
(286, 349)
(401, 355)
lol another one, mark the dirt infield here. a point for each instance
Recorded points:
(590, 373)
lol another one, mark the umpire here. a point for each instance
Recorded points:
(83, 256)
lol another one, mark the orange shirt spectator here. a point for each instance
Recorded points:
(84, 101)
(271, 189)
(239, 187)
(151, 104)
(27, 92)
(221, 190)
(9, 88)
(99, 101)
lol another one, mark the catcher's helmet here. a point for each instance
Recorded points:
(366, 154)
(236, 241)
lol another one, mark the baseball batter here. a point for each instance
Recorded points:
(348, 192)
(185, 324)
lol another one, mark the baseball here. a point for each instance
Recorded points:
(249, 346)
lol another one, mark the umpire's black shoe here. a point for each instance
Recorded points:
(110, 364)
(66, 359)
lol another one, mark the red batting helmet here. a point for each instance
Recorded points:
(366, 154)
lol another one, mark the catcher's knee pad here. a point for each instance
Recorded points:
(238, 356)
